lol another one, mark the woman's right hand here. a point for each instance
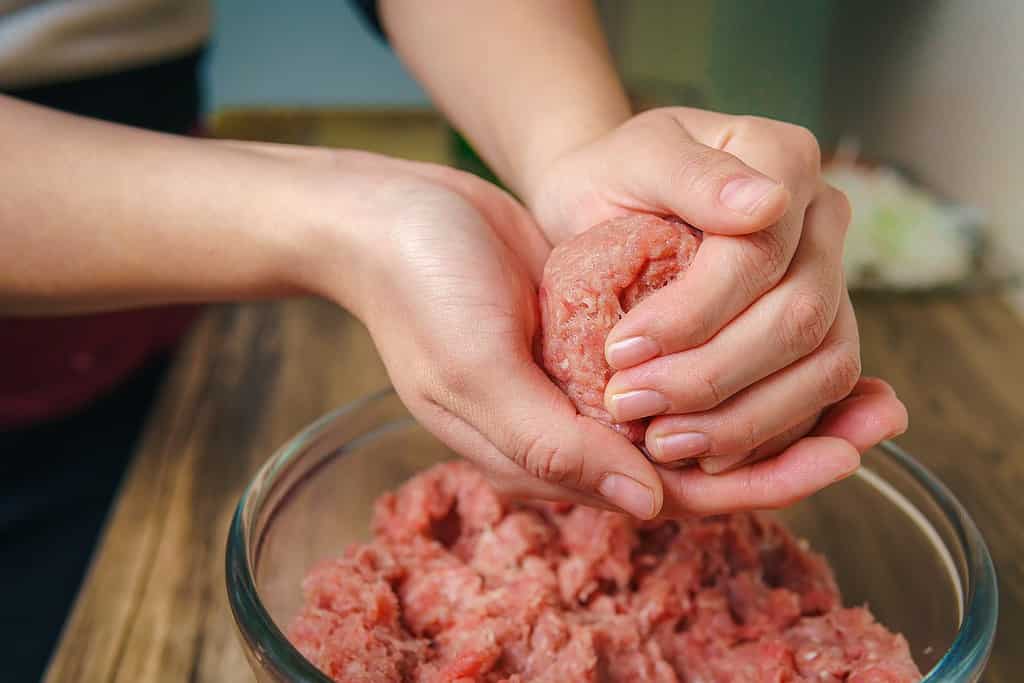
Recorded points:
(445, 282)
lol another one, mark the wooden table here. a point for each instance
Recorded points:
(154, 606)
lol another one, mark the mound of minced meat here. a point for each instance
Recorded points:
(458, 586)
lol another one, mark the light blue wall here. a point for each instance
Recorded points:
(310, 52)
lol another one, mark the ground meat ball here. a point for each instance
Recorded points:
(589, 283)
(457, 586)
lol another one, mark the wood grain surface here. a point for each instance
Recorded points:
(154, 606)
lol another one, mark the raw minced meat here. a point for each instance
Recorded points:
(457, 586)
(589, 283)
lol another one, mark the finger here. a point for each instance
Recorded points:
(705, 186)
(519, 488)
(728, 273)
(870, 414)
(783, 326)
(769, 449)
(508, 479)
(785, 151)
(804, 468)
(514, 405)
(770, 407)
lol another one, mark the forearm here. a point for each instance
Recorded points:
(525, 81)
(95, 216)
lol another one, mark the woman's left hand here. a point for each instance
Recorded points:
(741, 355)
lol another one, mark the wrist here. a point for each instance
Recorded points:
(321, 244)
(345, 205)
(286, 218)
(558, 138)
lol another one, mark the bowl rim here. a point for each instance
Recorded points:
(266, 642)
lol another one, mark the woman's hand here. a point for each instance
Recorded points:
(445, 282)
(744, 352)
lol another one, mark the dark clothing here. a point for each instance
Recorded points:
(74, 396)
(163, 96)
(57, 481)
(368, 8)
(51, 367)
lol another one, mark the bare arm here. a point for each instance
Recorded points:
(99, 216)
(524, 80)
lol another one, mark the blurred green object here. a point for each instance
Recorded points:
(769, 59)
(466, 159)
(761, 57)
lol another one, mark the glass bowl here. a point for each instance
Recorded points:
(896, 537)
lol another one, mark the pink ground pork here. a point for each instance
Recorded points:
(589, 283)
(457, 586)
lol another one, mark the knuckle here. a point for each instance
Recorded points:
(702, 327)
(702, 169)
(763, 262)
(748, 436)
(772, 250)
(841, 207)
(547, 460)
(710, 392)
(751, 127)
(691, 328)
(805, 144)
(807, 323)
(842, 373)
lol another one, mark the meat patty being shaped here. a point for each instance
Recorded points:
(589, 283)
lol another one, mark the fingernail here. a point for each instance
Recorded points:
(745, 194)
(680, 446)
(630, 352)
(721, 463)
(848, 473)
(628, 494)
(633, 405)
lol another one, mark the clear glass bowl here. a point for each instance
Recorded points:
(896, 537)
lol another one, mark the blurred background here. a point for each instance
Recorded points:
(931, 89)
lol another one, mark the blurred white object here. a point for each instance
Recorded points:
(901, 236)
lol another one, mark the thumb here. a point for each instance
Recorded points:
(870, 414)
(533, 424)
(707, 187)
